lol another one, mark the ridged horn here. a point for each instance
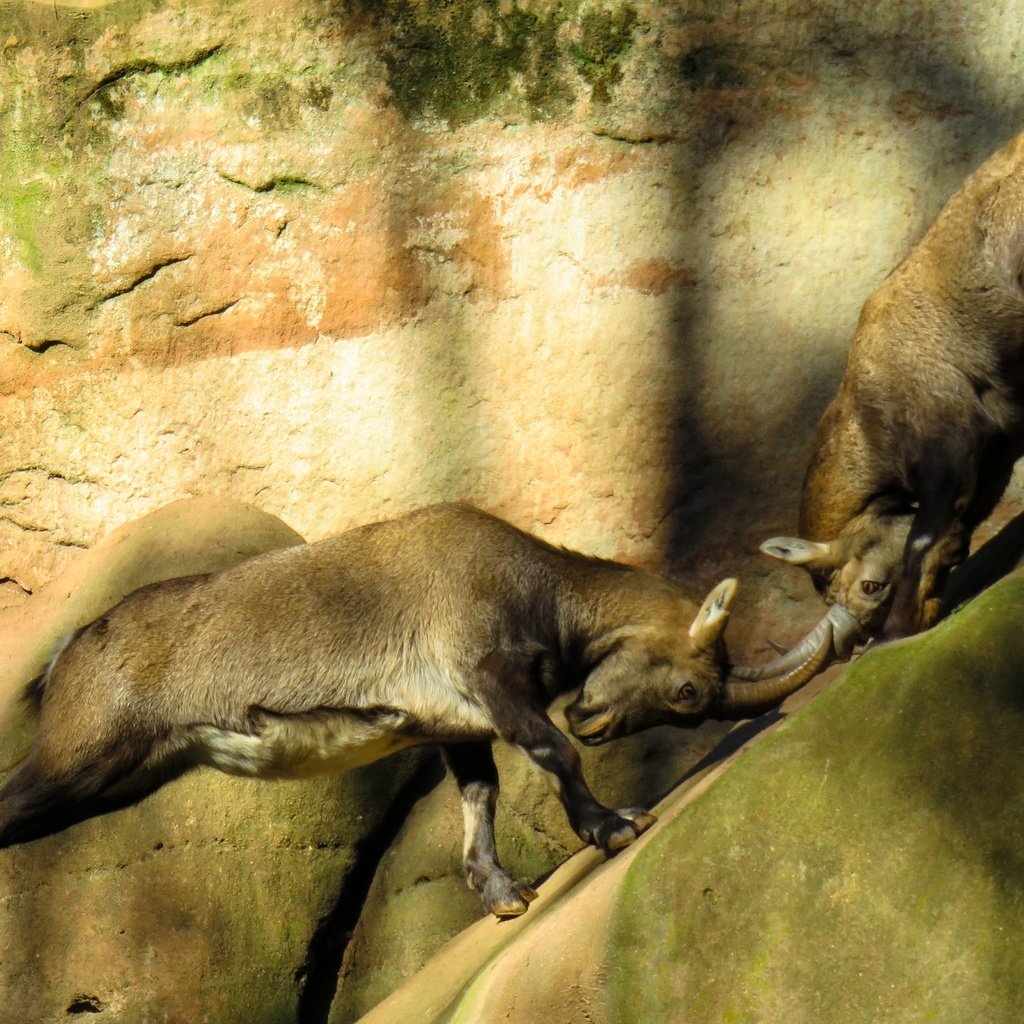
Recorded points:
(845, 630)
(749, 687)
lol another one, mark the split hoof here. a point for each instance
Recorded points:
(622, 828)
(505, 899)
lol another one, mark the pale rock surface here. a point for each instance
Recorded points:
(594, 266)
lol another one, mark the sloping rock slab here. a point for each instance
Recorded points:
(862, 862)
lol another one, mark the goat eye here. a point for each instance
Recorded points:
(687, 692)
(870, 587)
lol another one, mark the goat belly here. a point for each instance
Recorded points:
(300, 746)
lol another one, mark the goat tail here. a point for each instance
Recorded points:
(33, 693)
(31, 696)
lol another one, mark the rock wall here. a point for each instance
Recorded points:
(592, 264)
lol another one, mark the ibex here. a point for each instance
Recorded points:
(446, 626)
(919, 443)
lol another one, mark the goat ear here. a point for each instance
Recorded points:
(814, 554)
(713, 615)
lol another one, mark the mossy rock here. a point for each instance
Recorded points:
(861, 862)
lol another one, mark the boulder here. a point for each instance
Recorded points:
(207, 901)
(860, 862)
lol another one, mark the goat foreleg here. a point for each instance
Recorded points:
(938, 540)
(504, 685)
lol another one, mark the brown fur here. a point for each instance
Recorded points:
(446, 625)
(921, 438)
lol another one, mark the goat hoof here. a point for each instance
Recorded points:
(642, 819)
(622, 828)
(508, 909)
(504, 898)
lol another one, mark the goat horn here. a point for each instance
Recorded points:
(752, 687)
(845, 629)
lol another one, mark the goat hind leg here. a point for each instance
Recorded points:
(473, 766)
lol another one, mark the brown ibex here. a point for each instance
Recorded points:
(445, 626)
(919, 443)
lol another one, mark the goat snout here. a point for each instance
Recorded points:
(590, 724)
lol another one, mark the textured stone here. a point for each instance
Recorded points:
(861, 862)
(577, 265)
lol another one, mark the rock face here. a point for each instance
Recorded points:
(576, 262)
(861, 862)
(203, 903)
(593, 265)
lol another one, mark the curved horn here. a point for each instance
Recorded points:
(754, 686)
(845, 630)
(742, 696)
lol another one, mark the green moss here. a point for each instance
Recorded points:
(864, 862)
(461, 60)
(49, 151)
(604, 38)
(25, 205)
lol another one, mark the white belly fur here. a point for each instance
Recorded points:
(300, 746)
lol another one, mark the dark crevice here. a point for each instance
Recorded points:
(189, 321)
(318, 976)
(144, 67)
(146, 275)
(40, 345)
(46, 344)
(84, 1004)
(50, 474)
(283, 183)
(638, 140)
(5, 580)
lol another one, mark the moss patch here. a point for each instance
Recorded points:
(603, 40)
(462, 59)
(48, 156)
(863, 863)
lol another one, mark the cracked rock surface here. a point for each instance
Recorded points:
(574, 262)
